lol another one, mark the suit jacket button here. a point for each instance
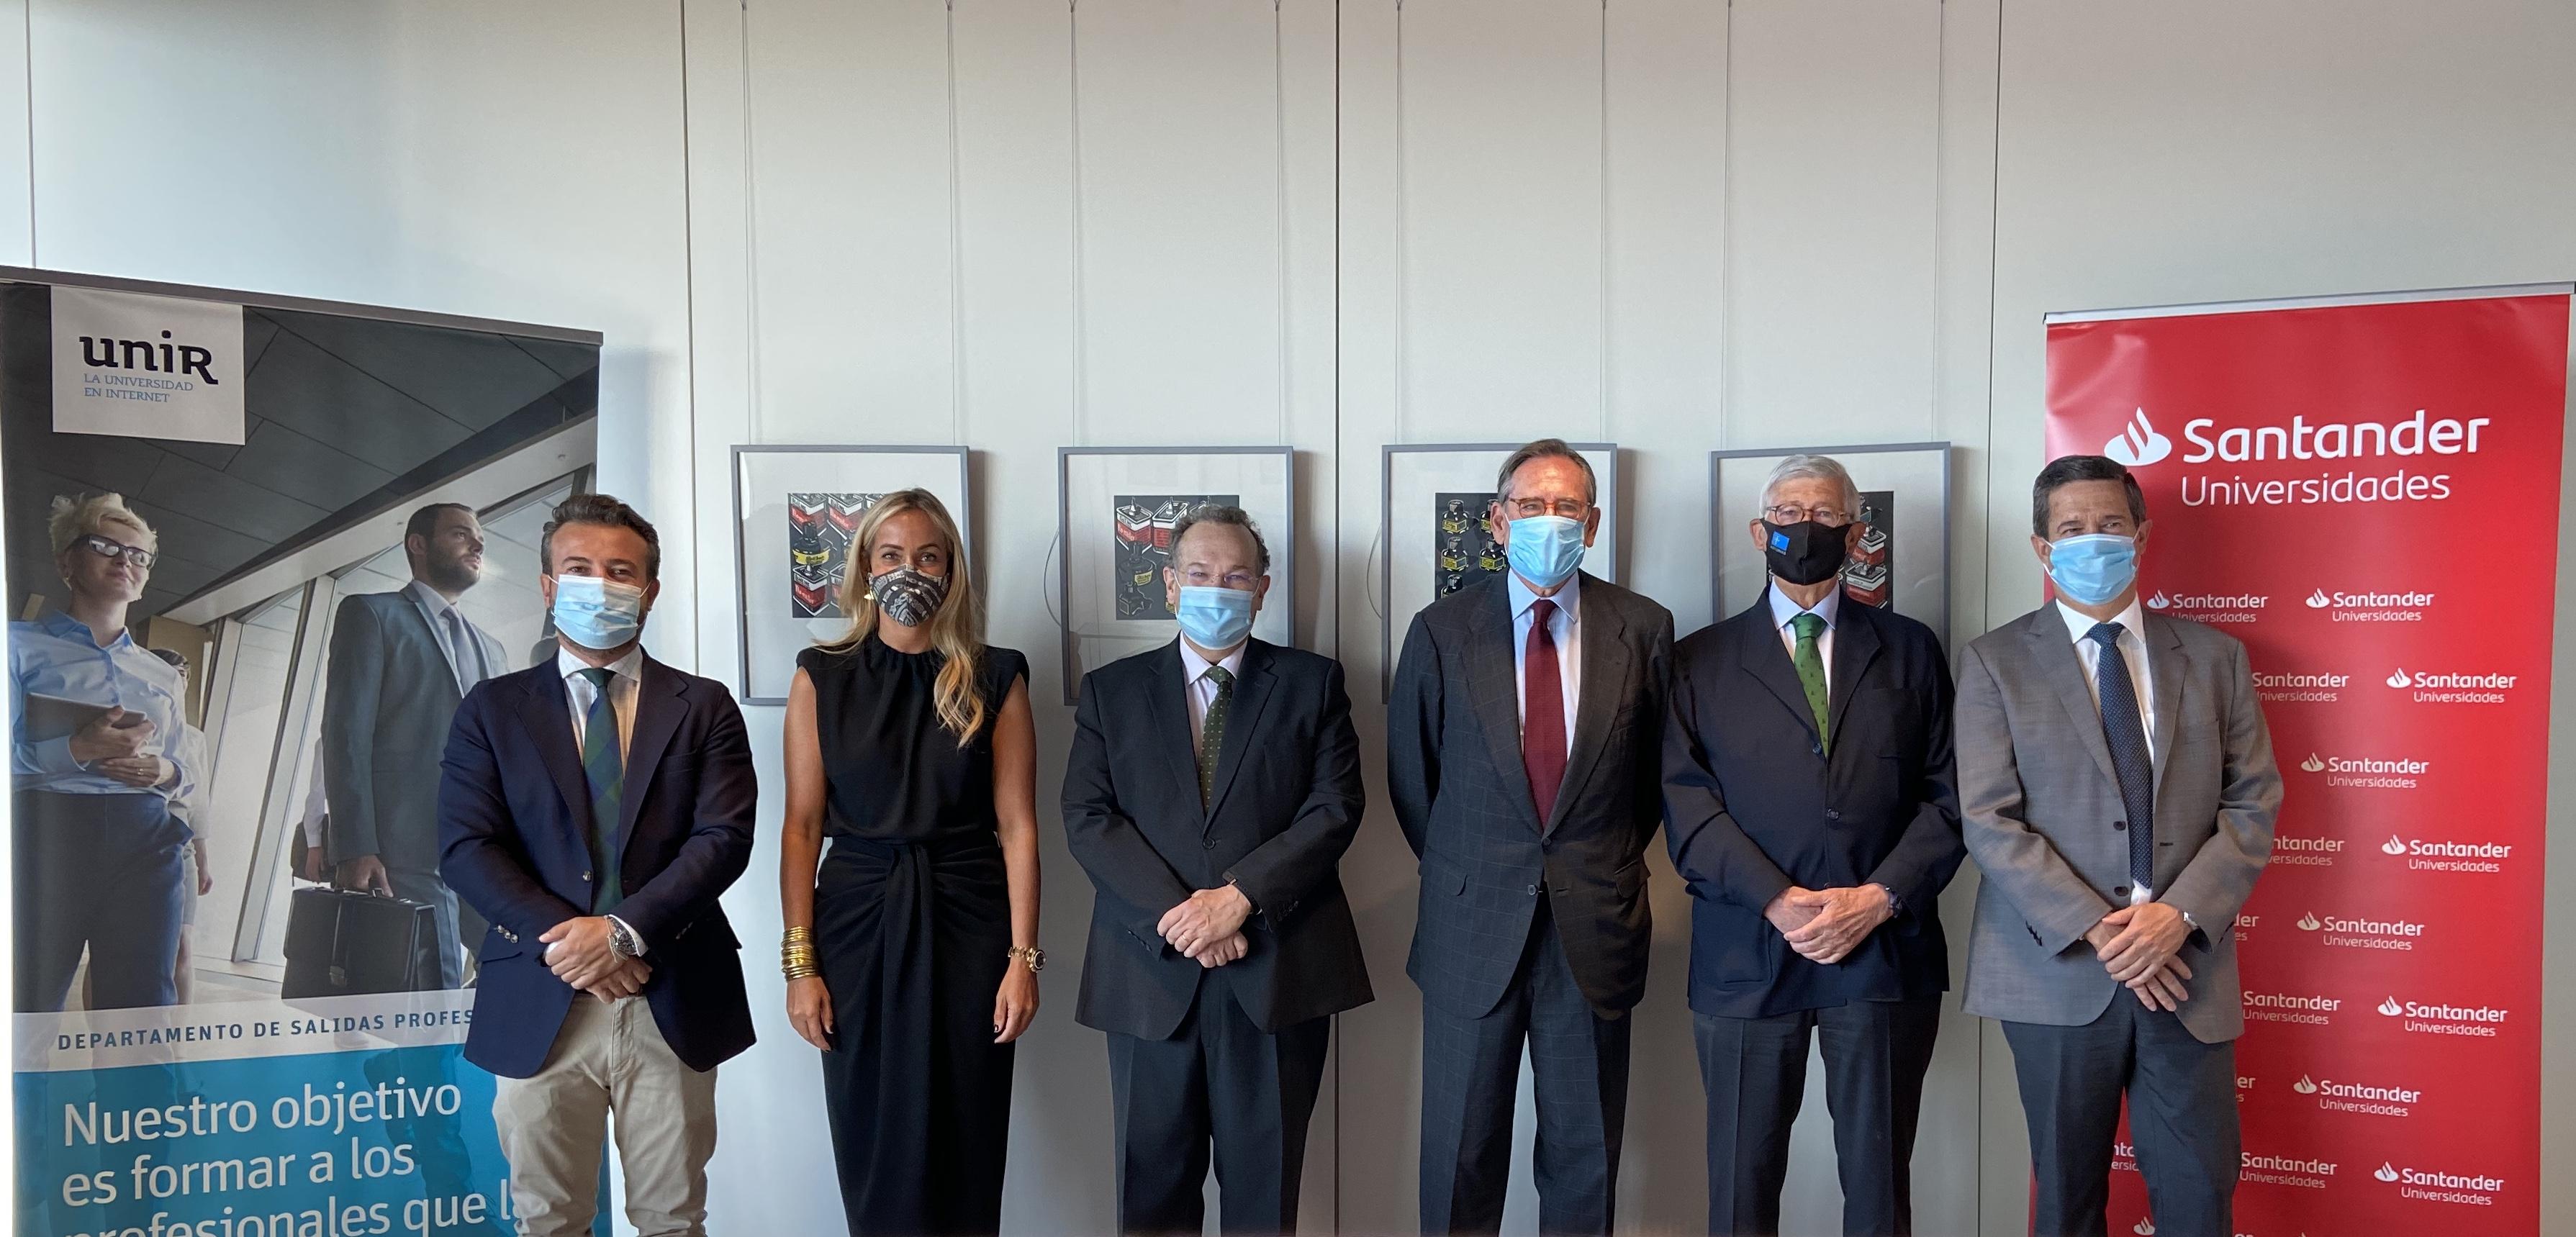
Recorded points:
(1210, 843)
(1833, 814)
(585, 877)
(2119, 891)
(2119, 824)
(1533, 891)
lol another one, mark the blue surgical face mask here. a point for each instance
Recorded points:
(596, 613)
(1545, 549)
(1215, 619)
(2094, 568)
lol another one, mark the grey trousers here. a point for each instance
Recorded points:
(609, 1060)
(2182, 1116)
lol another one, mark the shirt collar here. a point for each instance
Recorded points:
(1195, 667)
(1783, 609)
(630, 666)
(2132, 621)
(1523, 597)
(428, 598)
(60, 623)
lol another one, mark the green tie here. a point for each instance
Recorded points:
(1212, 733)
(1811, 669)
(604, 767)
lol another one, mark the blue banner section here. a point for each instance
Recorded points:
(345, 1144)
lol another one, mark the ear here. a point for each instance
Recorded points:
(1591, 525)
(1851, 535)
(1497, 525)
(546, 588)
(1260, 592)
(1171, 589)
(651, 591)
(1760, 533)
(2039, 550)
(2144, 527)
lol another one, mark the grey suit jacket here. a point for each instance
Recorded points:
(1462, 796)
(387, 703)
(2040, 807)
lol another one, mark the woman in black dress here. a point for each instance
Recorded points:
(911, 948)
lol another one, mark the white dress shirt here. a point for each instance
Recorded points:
(2133, 650)
(1567, 626)
(1785, 611)
(625, 679)
(1202, 689)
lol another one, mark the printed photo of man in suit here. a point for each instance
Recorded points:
(2117, 791)
(400, 662)
(1524, 758)
(1213, 786)
(1812, 812)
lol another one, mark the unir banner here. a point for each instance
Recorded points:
(2365, 491)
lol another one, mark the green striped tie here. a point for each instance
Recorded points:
(1811, 669)
(604, 766)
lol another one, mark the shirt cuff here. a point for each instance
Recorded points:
(52, 757)
(640, 947)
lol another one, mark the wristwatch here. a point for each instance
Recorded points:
(1035, 956)
(621, 939)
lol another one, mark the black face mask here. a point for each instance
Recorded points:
(1805, 552)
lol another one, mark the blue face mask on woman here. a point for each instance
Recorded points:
(1545, 549)
(1214, 618)
(596, 613)
(2094, 568)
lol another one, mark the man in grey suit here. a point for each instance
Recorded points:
(2117, 790)
(400, 664)
(1524, 753)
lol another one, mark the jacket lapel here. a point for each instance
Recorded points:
(1167, 712)
(417, 617)
(659, 705)
(2055, 652)
(1761, 655)
(546, 712)
(1496, 686)
(2165, 670)
(1855, 647)
(1243, 721)
(1597, 693)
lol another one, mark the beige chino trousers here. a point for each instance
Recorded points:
(609, 1058)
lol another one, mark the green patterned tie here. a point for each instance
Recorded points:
(1811, 669)
(1212, 733)
(603, 765)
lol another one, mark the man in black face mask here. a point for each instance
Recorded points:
(1810, 804)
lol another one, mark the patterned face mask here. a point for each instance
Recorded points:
(907, 596)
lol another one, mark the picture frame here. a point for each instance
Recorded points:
(1905, 495)
(1115, 509)
(1424, 489)
(795, 508)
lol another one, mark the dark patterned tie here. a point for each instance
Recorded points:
(604, 767)
(1212, 733)
(1543, 712)
(2126, 734)
(1811, 669)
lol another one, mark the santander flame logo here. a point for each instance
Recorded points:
(2159, 601)
(2312, 764)
(2393, 846)
(2391, 1008)
(2308, 922)
(2318, 600)
(2386, 1171)
(2398, 678)
(2138, 443)
(2305, 1085)
(2144, 1228)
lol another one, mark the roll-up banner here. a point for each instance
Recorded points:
(257, 550)
(2364, 490)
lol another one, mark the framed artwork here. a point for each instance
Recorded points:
(1903, 562)
(796, 509)
(1435, 539)
(1116, 508)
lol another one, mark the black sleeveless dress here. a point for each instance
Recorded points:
(912, 919)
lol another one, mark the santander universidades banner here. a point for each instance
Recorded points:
(2365, 491)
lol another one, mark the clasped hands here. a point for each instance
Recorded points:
(1825, 925)
(1208, 927)
(578, 952)
(111, 744)
(2140, 946)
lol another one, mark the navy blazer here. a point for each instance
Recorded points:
(1753, 805)
(513, 829)
(1287, 804)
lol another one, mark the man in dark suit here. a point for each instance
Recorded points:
(1212, 789)
(1811, 809)
(593, 808)
(1524, 749)
(2117, 789)
(400, 663)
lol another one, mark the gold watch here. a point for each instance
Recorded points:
(1035, 956)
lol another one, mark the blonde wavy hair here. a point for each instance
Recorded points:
(957, 630)
(71, 519)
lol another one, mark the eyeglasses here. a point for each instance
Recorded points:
(1791, 513)
(1201, 577)
(105, 548)
(1532, 508)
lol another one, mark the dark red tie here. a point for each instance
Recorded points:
(1543, 712)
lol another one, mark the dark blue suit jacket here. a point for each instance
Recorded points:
(1754, 805)
(513, 812)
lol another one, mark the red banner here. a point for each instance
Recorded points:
(2366, 494)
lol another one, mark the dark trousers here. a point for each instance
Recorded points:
(2182, 1117)
(1755, 1069)
(460, 928)
(101, 873)
(1219, 1079)
(1471, 1070)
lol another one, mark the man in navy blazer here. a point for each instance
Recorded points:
(592, 808)
(1812, 810)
